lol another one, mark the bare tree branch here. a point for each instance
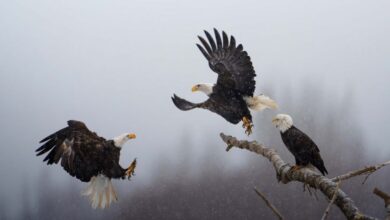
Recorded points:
(363, 171)
(326, 213)
(269, 204)
(307, 176)
(386, 199)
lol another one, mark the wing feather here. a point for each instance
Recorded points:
(232, 43)
(225, 40)
(218, 38)
(183, 104)
(211, 40)
(76, 147)
(229, 61)
(205, 54)
(205, 44)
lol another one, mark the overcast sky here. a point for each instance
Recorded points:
(115, 64)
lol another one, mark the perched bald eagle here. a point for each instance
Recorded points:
(89, 158)
(232, 95)
(299, 144)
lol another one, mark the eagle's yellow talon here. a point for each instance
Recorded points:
(130, 170)
(248, 125)
(295, 168)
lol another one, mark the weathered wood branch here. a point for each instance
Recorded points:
(386, 199)
(326, 213)
(307, 176)
(269, 204)
(363, 171)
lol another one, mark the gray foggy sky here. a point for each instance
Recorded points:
(115, 64)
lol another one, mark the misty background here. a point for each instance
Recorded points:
(115, 65)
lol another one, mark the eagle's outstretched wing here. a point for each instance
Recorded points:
(223, 102)
(183, 104)
(77, 147)
(230, 62)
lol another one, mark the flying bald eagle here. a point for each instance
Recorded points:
(299, 144)
(232, 95)
(89, 158)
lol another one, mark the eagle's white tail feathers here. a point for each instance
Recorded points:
(100, 191)
(261, 102)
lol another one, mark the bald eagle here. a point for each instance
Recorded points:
(89, 158)
(299, 144)
(232, 95)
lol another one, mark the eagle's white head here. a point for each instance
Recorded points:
(206, 88)
(283, 122)
(122, 139)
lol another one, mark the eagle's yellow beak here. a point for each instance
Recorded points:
(194, 88)
(131, 136)
(274, 120)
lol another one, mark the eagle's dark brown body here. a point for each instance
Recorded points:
(228, 103)
(303, 148)
(83, 153)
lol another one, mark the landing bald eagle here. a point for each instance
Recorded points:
(299, 144)
(89, 158)
(232, 95)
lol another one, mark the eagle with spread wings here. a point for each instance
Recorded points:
(89, 158)
(233, 94)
